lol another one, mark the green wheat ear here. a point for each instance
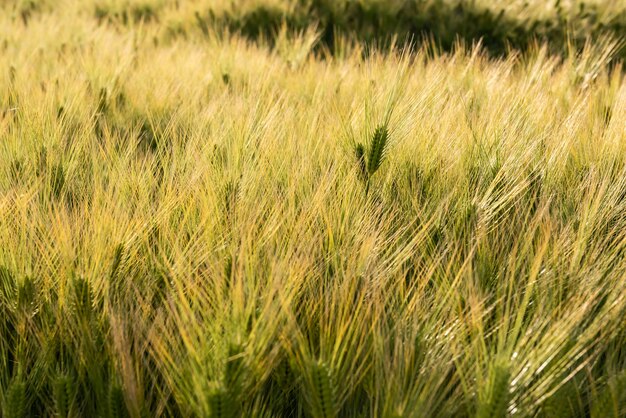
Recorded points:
(221, 403)
(234, 369)
(324, 396)
(378, 149)
(116, 404)
(564, 403)
(27, 295)
(378, 146)
(120, 255)
(225, 397)
(103, 101)
(201, 24)
(57, 180)
(63, 391)
(232, 191)
(15, 400)
(82, 297)
(611, 400)
(495, 400)
(359, 151)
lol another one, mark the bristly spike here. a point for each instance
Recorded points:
(221, 403)
(378, 149)
(15, 400)
(116, 403)
(359, 151)
(324, 399)
(494, 401)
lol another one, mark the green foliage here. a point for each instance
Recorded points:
(126, 12)
(444, 21)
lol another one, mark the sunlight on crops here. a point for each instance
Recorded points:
(198, 222)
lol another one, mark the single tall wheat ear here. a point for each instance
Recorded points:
(376, 153)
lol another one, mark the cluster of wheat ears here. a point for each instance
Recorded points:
(203, 226)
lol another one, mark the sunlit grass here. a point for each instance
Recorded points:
(207, 226)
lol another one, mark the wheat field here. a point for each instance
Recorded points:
(199, 223)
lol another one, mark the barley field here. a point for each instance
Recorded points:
(312, 208)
